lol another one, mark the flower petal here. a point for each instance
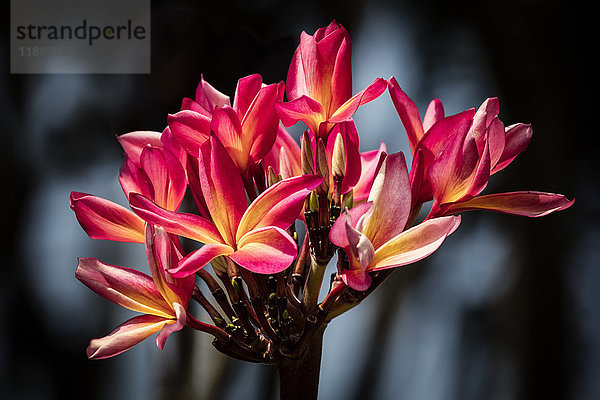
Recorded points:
(517, 138)
(391, 196)
(183, 224)
(167, 177)
(357, 279)
(134, 142)
(103, 219)
(304, 109)
(209, 97)
(266, 250)
(198, 259)
(526, 203)
(227, 127)
(408, 113)
(434, 112)
(190, 128)
(337, 233)
(370, 93)
(125, 336)
(172, 326)
(126, 287)
(369, 164)
(222, 188)
(279, 205)
(414, 244)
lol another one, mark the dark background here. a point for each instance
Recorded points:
(506, 309)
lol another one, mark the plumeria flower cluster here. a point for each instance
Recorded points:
(227, 175)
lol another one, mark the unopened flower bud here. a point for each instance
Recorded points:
(323, 165)
(314, 201)
(348, 200)
(308, 163)
(338, 161)
(272, 177)
(219, 264)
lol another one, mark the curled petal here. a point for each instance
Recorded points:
(196, 260)
(245, 93)
(190, 128)
(125, 336)
(414, 244)
(227, 127)
(338, 234)
(103, 219)
(266, 250)
(527, 203)
(134, 142)
(172, 326)
(357, 279)
(304, 109)
(260, 123)
(517, 138)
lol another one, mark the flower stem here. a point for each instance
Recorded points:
(299, 377)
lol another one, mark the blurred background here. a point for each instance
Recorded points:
(506, 309)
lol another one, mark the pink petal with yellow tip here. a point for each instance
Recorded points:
(126, 287)
(125, 336)
(414, 244)
(103, 219)
(526, 203)
(183, 224)
(304, 109)
(391, 197)
(279, 205)
(198, 259)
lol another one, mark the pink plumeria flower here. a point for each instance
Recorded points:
(247, 129)
(162, 299)
(319, 82)
(253, 236)
(372, 234)
(454, 157)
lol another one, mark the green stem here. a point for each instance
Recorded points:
(310, 297)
